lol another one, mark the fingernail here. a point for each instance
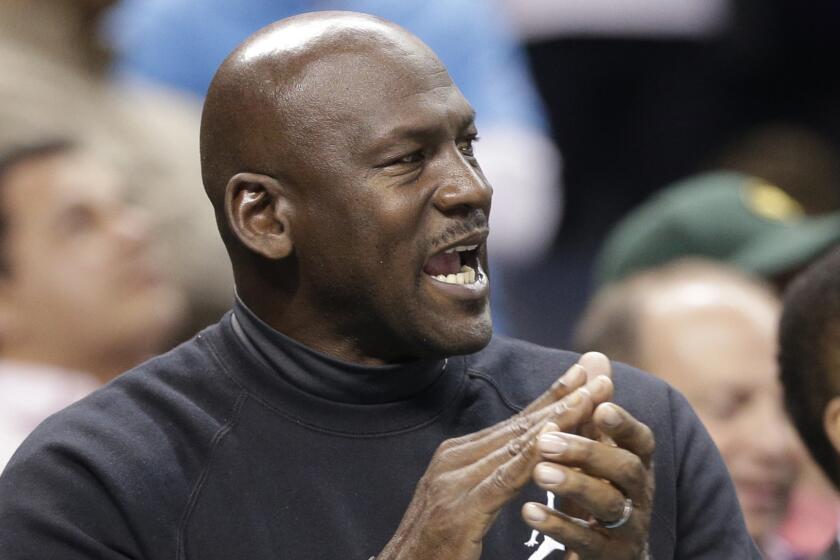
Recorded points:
(534, 512)
(549, 475)
(576, 374)
(610, 416)
(549, 427)
(553, 443)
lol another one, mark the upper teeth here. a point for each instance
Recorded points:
(467, 275)
(461, 248)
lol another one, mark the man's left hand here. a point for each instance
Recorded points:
(612, 482)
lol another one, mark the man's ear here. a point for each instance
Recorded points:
(831, 422)
(257, 210)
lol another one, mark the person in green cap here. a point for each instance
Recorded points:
(736, 218)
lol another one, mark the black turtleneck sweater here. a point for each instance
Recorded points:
(244, 445)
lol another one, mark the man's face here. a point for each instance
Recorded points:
(388, 184)
(82, 277)
(721, 355)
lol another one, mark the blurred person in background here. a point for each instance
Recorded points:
(809, 358)
(82, 293)
(710, 331)
(57, 80)
(747, 220)
(182, 42)
(641, 93)
(770, 208)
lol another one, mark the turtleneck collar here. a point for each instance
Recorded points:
(327, 377)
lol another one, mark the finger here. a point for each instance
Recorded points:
(570, 412)
(574, 377)
(589, 367)
(595, 364)
(594, 495)
(576, 536)
(591, 395)
(505, 481)
(505, 470)
(620, 467)
(626, 431)
(467, 449)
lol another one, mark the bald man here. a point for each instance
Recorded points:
(353, 403)
(710, 331)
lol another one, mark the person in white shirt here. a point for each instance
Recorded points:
(82, 295)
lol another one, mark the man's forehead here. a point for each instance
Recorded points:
(319, 82)
(383, 96)
(354, 78)
(318, 33)
(67, 178)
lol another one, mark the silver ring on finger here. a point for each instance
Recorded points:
(625, 516)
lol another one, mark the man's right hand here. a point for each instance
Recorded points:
(472, 477)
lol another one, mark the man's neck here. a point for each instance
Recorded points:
(65, 30)
(314, 332)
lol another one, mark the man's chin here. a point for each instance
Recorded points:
(455, 341)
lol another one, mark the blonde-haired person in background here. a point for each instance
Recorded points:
(710, 331)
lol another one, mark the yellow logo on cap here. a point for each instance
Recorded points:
(771, 202)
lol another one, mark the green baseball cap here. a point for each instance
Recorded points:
(735, 218)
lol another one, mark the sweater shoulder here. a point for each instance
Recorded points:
(165, 411)
(523, 370)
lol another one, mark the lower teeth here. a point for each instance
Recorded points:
(467, 275)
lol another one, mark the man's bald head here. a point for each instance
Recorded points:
(278, 93)
(613, 321)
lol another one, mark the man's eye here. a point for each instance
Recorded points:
(411, 158)
(466, 147)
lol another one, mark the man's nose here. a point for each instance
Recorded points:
(133, 228)
(462, 187)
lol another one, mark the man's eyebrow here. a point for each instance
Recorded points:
(463, 122)
(407, 131)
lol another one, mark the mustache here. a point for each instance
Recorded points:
(475, 222)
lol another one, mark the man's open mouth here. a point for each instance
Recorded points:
(456, 265)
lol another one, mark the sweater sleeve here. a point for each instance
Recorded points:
(54, 505)
(710, 525)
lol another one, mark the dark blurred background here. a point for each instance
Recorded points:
(632, 114)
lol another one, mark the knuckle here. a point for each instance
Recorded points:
(518, 425)
(446, 445)
(437, 488)
(446, 451)
(584, 451)
(636, 470)
(631, 470)
(560, 410)
(453, 458)
(500, 480)
(514, 447)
